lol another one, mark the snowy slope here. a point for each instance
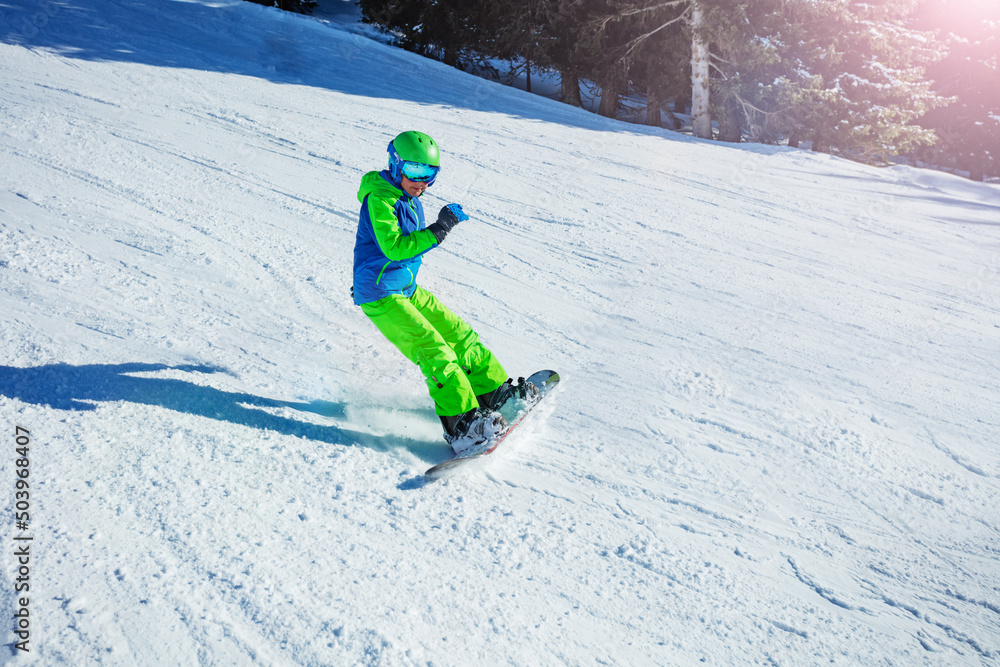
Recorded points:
(775, 443)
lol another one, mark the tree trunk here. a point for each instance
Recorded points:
(701, 120)
(675, 122)
(794, 138)
(527, 69)
(609, 102)
(731, 123)
(653, 104)
(570, 88)
(682, 103)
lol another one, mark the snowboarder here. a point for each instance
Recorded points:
(465, 380)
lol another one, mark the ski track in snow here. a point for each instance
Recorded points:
(774, 441)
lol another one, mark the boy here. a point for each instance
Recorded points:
(465, 380)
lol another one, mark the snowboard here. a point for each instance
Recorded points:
(545, 381)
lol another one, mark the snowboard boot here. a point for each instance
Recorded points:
(472, 428)
(497, 398)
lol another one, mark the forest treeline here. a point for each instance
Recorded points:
(872, 80)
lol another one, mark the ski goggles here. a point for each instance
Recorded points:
(418, 171)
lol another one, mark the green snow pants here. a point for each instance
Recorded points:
(456, 366)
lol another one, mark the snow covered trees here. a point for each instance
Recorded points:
(847, 75)
(857, 75)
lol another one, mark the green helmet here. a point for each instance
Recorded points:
(415, 147)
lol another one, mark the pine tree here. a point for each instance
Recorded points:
(563, 19)
(661, 70)
(855, 76)
(746, 61)
(646, 46)
(515, 31)
(574, 47)
(445, 29)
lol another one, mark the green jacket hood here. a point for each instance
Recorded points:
(374, 182)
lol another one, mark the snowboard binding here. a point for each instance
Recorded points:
(498, 398)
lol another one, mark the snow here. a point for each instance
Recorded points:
(774, 439)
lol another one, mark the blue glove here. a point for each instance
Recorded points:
(456, 209)
(450, 215)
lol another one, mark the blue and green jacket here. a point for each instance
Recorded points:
(392, 236)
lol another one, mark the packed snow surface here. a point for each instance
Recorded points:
(774, 442)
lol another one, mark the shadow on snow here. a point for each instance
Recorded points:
(81, 388)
